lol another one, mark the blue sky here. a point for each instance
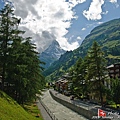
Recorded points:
(82, 22)
(67, 21)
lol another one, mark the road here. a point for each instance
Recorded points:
(110, 113)
(61, 112)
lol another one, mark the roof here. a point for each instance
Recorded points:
(111, 66)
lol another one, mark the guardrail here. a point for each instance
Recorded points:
(53, 117)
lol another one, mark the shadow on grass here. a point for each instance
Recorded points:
(33, 110)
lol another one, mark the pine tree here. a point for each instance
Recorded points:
(96, 70)
(35, 80)
(18, 59)
(7, 26)
(78, 79)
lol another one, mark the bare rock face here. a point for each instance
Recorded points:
(51, 54)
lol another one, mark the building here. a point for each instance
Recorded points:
(63, 84)
(114, 70)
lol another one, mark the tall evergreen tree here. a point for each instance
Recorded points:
(96, 70)
(18, 59)
(7, 27)
(35, 80)
(78, 79)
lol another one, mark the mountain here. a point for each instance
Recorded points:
(108, 37)
(51, 54)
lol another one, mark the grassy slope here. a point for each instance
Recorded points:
(10, 110)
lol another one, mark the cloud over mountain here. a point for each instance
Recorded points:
(47, 20)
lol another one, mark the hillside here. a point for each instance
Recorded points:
(108, 37)
(10, 110)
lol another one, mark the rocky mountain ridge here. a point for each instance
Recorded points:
(51, 54)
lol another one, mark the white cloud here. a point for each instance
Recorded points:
(99, 23)
(71, 46)
(47, 20)
(78, 38)
(75, 2)
(83, 29)
(95, 10)
(113, 1)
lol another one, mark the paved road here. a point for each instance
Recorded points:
(114, 114)
(61, 112)
(44, 113)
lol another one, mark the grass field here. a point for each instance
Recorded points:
(10, 110)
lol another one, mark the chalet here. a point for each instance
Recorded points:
(63, 84)
(114, 70)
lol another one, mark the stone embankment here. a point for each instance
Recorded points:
(88, 111)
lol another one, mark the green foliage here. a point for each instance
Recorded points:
(19, 61)
(116, 90)
(96, 62)
(89, 74)
(78, 78)
(96, 70)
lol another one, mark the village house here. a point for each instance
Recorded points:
(114, 70)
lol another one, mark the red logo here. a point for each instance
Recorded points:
(101, 113)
